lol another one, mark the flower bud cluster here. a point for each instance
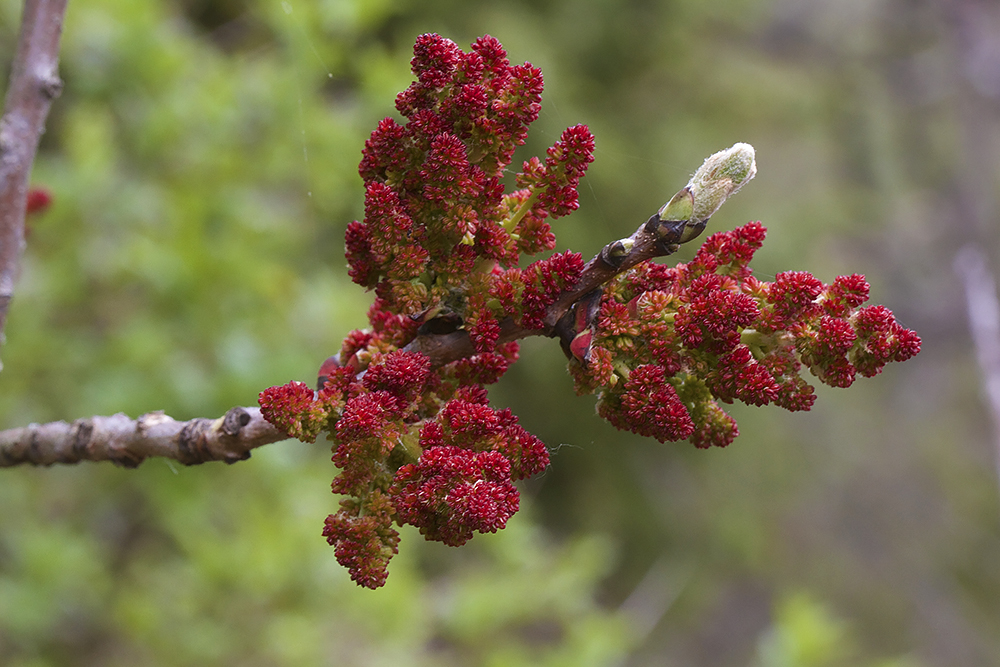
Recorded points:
(440, 245)
(669, 343)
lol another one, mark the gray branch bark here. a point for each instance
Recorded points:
(128, 442)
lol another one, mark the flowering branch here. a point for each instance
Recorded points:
(34, 83)
(441, 244)
(128, 442)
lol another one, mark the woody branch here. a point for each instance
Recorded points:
(678, 221)
(34, 83)
(128, 442)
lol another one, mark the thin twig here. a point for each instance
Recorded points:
(614, 258)
(128, 442)
(34, 83)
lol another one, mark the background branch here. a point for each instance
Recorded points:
(128, 442)
(984, 323)
(34, 83)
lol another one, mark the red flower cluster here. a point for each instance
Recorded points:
(363, 541)
(463, 481)
(297, 410)
(670, 342)
(649, 406)
(452, 492)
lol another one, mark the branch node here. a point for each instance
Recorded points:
(234, 421)
(51, 87)
(149, 420)
(82, 430)
(34, 449)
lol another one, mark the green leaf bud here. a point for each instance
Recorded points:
(719, 178)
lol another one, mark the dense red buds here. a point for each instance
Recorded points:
(452, 492)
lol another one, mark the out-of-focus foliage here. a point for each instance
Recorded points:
(203, 161)
(807, 634)
(198, 568)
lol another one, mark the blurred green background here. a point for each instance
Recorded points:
(203, 160)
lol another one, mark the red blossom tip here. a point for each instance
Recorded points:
(292, 408)
(435, 58)
(793, 291)
(364, 544)
(451, 492)
(649, 406)
(732, 251)
(845, 294)
(715, 428)
(366, 417)
(402, 374)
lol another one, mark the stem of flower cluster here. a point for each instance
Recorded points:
(510, 224)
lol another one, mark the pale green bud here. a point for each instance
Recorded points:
(719, 178)
(684, 217)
